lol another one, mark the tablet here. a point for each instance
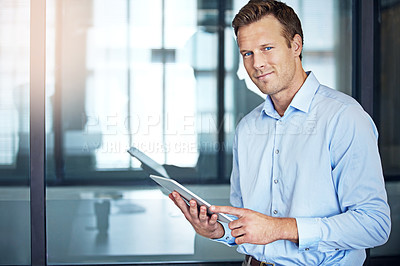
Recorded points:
(147, 161)
(172, 185)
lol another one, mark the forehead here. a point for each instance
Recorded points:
(268, 29)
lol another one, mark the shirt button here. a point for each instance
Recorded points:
(336, 249)
(306, 249)
(276, 151)
(276, 181)
(275, 211)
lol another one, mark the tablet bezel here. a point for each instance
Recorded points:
(172, 185)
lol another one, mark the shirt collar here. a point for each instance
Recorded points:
(269, 109)
(301, 101)
(303, 98)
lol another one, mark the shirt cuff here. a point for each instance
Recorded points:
(309, 233)
(227, 238)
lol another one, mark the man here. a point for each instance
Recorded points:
(306, 184)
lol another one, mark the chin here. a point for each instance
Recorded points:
(265, 90)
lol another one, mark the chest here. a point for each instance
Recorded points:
(285, 163)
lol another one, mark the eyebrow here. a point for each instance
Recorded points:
(260, 46)
(244, 51)
(267, 44)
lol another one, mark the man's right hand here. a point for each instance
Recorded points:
(203, 224)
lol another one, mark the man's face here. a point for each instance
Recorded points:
(268, 60)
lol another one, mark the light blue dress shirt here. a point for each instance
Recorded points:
(318, 163)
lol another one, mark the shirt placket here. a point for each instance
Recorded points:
(276, 173)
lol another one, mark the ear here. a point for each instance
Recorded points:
(297, 44)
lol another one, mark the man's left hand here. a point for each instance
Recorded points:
(257, 228)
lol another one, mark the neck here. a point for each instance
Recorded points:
(283, 99)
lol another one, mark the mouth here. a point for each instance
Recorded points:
(264, 75)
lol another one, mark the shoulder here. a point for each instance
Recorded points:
(251, 117)
(340, 105)
(335, 98)
(345, 116)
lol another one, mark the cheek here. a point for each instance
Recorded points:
(273, 59)
(248, 66)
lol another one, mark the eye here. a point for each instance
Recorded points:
(268, 48)
(247, 54)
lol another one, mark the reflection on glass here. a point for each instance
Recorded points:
(14, 133)
(126, 77)
(120, 76)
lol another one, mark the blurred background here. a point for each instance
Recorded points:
(164, 76)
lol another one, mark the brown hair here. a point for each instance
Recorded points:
(255, 10)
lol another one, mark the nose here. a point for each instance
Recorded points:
(258, 61)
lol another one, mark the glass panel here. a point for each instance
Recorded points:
(388, 105)
(389, 94)
(151, 85)
(119, 75)
(14, 132)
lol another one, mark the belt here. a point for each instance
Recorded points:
(253, 262)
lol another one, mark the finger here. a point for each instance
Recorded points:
(239, 212)
(213, 219)
(241, 240)
(203, 214)
(181, 204)
(236, 224)
(178, 199)
(172, 198)
(238, 232)
(193, 209)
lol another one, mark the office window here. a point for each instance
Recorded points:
(122, 73)
(14, 133)
(120, 76)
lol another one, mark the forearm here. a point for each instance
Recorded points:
(287, 229)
